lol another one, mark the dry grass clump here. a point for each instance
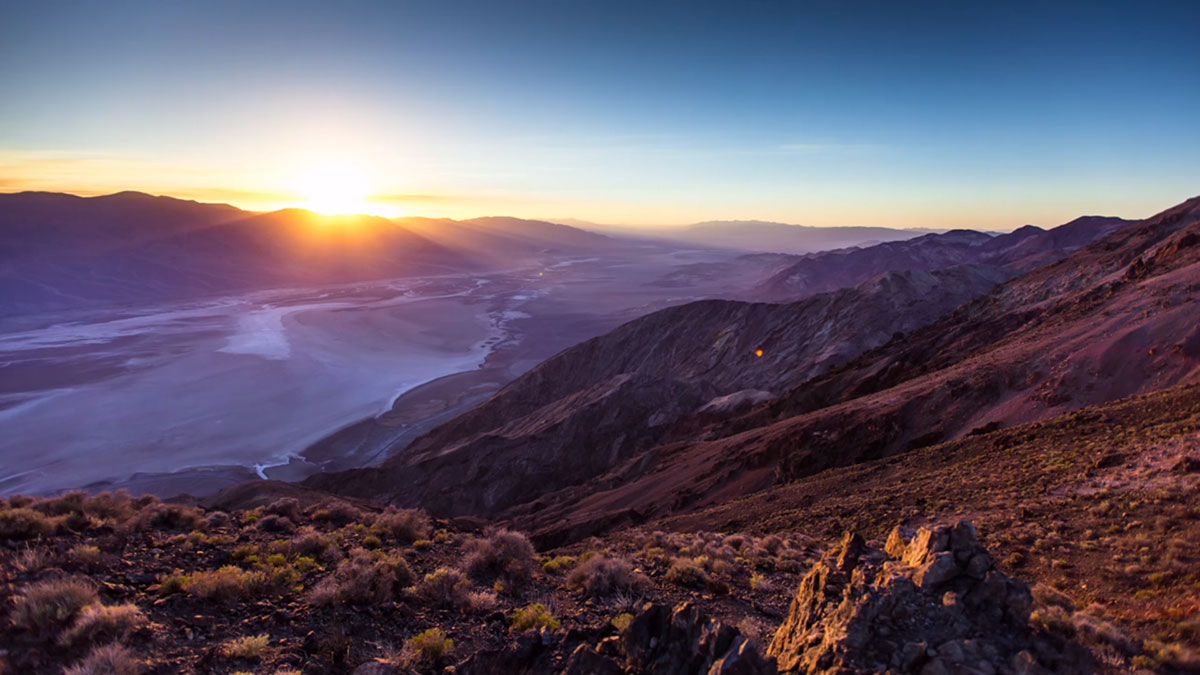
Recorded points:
(249, 647)
(32, 559)
(105, 623)
(481, 602)
(534, 617)
(403, 526)
(227, 584)
(503, 556)
(601, 576)
(19, 524)
(86, 555)
(53, 603)
(445, 588)
(365, 578)
(111, 659)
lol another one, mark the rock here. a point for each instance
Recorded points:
(587, 661)
(934, 604)
(852, 547)
(675, 641)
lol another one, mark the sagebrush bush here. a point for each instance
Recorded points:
(53, 603)
(111, 659)
(310, 542)
(86, 555)
(287, 507)
(502, 555)
(600, 576)
(276, 523)
(428, 648)
(534, 617)
(403, 526)
(175, 517)
(336, 512)
(249, 647)
(445, 588)
(227, 584)
(686, 572)
(96, 623)
(363, 579)
(19, 524)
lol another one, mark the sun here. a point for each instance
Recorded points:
(334, 189)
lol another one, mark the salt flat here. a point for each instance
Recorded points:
(241, 384)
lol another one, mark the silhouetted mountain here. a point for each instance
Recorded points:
(61, 251)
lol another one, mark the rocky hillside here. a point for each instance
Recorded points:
(602, 434)
(112, 584)
(580, 413)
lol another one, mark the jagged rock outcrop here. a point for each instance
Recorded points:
(679, 641)
(933, 603)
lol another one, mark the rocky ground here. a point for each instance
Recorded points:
(1094, 571)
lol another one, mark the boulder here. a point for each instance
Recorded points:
(672, 641)
(929, 603)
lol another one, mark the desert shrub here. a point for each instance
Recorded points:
(249, 647)
(402, 525)
(371, 541)
(312, 543)
(117, 507)
(217, 520)
(226, 584)
(557, 564)
(622, 621)
(480, 602)
(111, 659)
(502, 555)
(173, 517)
(601, 576)
(32, 559)
(169, 584)
(534, 617)
(67, 502)
(336, 512)
(363, 579)
(51, 604)
(445, 588)
(686, 572)
(276, 523)
(287, 507)
(23, 523)
(84, 554)
(104, 623)
(428, 648)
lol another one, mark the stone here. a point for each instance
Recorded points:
(934, 604)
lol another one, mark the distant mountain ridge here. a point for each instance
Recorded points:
(61, 251)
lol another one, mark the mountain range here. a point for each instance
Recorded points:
(677, 410)
(63, 252)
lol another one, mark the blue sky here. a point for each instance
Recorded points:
(825, 113)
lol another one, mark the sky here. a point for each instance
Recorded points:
(903, 114)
